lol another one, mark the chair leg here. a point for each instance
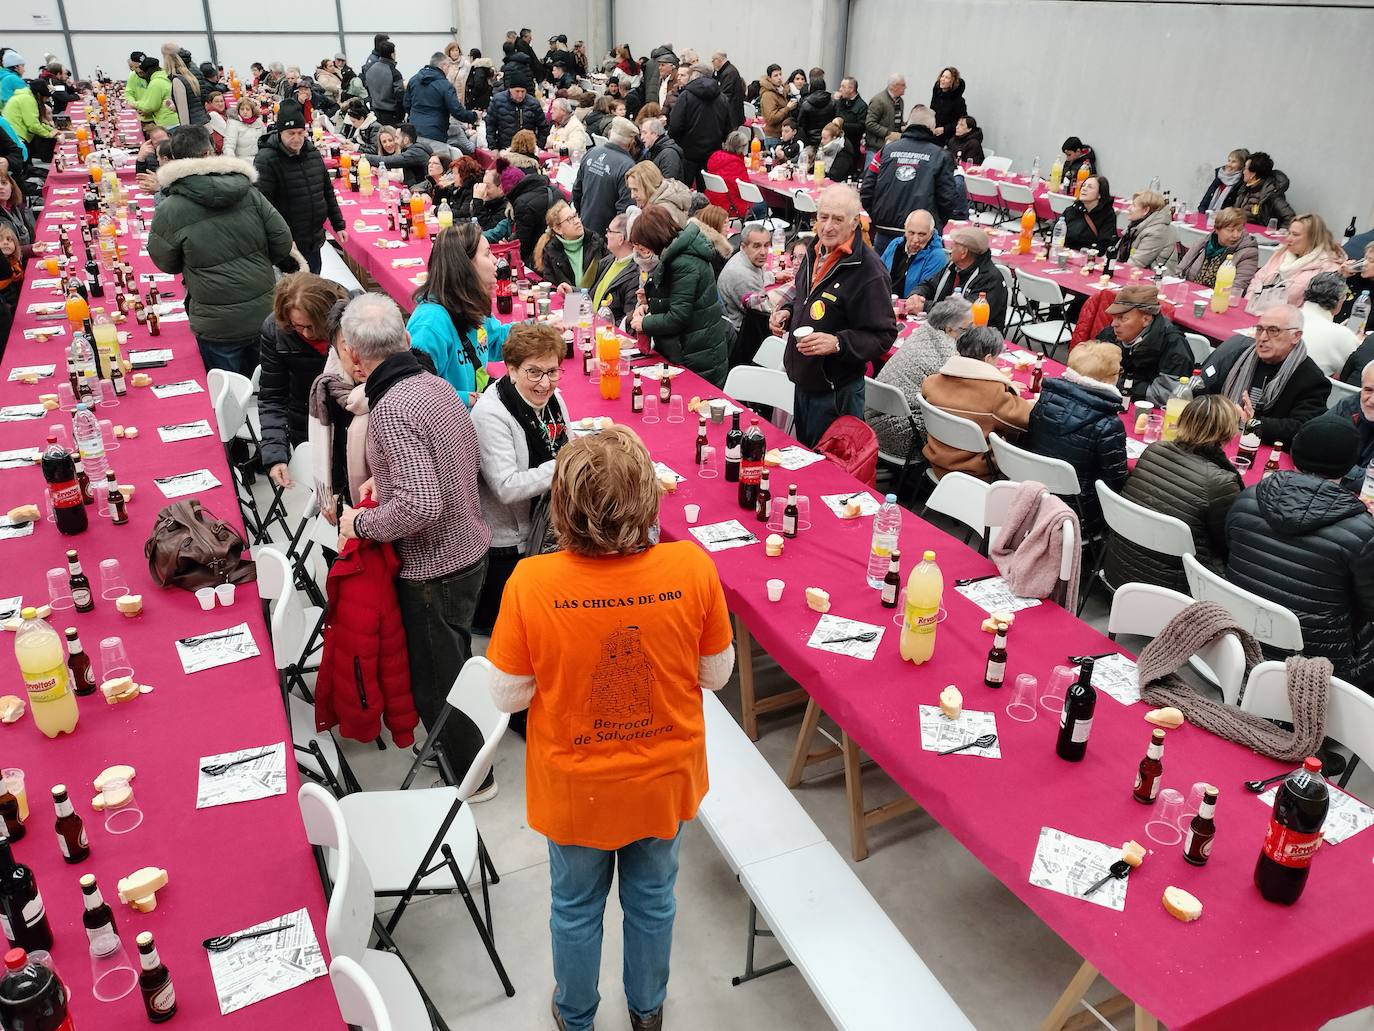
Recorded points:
(482, 929)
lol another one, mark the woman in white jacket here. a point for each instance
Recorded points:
(243, 131)
(521, 424)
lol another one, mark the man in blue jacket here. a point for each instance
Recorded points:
(431, 100)
(913, 171)
(916, 255)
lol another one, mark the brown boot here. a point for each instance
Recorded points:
(557, 1017)
(653, 1023)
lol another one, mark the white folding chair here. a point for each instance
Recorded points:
(886, 399)
(352, 916)
(296, 628)
(1009, 281)
(750, 193)
(1037, 292)
(996, 162)
(770, 353)
(360, 999)
(951, 430)
(1015, 197)
(395, 830)
(229, 395)
(962, 498)
(1156, 531)
(1200, 346)
(1339, 392)
(714, 183)
(749, 384)
(598, 140)
(566, 176)
(1189, 235)
(1016, 463)
(1267, 621)
(804, 204)
(1143, 610)
(1060, 202)
(985, 202)
(1349, 712)
(750, 111)
(998, 504)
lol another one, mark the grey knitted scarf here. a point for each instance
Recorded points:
(1309, 686)
(1242, 374)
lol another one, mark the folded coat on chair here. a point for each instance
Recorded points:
(1029, 550)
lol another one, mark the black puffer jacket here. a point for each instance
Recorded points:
(1081, 424)
(1096, 228)
(505, 118)
(815, 111)
(949, 107)
(481, 79)
(1152, 366)
(699, 120)
(298, 186)
(967, 148)
(289, 367)
(1267, 199)
(1303, 399)
(667, 155)
(1197, 486)
(982, 277)
(1308, 544)
(530, 200)
(1349, 409)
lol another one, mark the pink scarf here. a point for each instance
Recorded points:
(1029, 550)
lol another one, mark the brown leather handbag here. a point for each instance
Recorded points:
(193, 548)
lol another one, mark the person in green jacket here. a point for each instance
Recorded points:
(682, 312)
(21, 111)
(135, 84)
(152, 104)
(216, 230)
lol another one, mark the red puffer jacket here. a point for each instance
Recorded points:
(1093, 319)
(365, 670)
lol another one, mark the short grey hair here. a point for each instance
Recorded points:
(896, 80)
(276, 66)
(722, 55)
(750, 229)
(979, 342)
(294, 68)
(702, 71)
(657, 126)
(621, 224)
(565, 105)
(922, 115)
(372, 325)
(949, 313)
(1327, 291)
(738, 142)
(438, 59)
(850, 78)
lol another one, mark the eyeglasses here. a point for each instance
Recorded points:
(1273, 331)
(566, 219)
(535, 376)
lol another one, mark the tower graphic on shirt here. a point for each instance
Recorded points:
(623, 679)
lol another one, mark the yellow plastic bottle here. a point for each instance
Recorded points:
(924, 589)
(1174, 408)
(1221, 289)
(365, 177)
(1056, 175)
(818, 172)
(445, 215)
(38, 650)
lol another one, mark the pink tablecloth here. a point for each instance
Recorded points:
(230, 866)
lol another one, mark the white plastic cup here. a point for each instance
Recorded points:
(206, 597)
(225, 594)
(775, 589)
(691, 512)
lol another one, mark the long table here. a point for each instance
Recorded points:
(231, 866)
(1240, 965)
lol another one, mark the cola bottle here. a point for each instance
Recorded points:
(1294, 834)
(59, 469)
(32, 996)
(504, 296)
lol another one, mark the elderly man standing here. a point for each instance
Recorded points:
(1154, 352)
(915, 256)
(731, 87)
(662, 149)
(842, 298)
(423, 453)
(1277, 386)
(883, 120)
(431, 100)
(970, 269)
(741, 279)
(568, 130)
(699, 121)
(913, 171)
(292, 176)
(852, 109)
(600, 190)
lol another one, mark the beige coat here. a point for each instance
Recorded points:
(974, 390)
(772, 108)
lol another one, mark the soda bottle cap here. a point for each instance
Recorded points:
(16, 959)
(929, 556)
(28, 612)
(1312, 764)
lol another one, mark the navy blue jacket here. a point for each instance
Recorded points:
(505, 118)
(431, 99)
(1083, 427)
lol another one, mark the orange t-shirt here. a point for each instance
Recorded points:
(615, 749)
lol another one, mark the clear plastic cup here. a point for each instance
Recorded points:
(112, 975)
(66, 400)
(803, 512)
(112, 582)
(14, 784)
(59, 430)
(775, 589)
(1194, 803)
(224, 594)
(59, 590)
(710, 465)
(650, 416)
(675, 408)
(121, 808)
(1163, 825)
(1154, 428)
(1061, 679)
(1022, 706)
(206, 597)
(114, 659)
(692, 512)
(107, 435)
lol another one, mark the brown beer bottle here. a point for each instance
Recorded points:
(665, 388)
(155, 982)
(996, 671)
(71, 832)
(119, 511)
(9, 813)
(1272, 466)
(764, 501)
(701, 437)
(154, 323)
(637, 396)
(79, 584)
(892, 582)
(83, 673)
(1197, 846)
(1151, 770)
(98, 917)
(790, 512)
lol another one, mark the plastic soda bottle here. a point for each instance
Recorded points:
(924, 589)
(981, 310)
(887, 528)
(445, 215)
(1359, 314)
(417, 216)
(1056, 175)
(365, 177)
(1221, 289)
(755, 154)
(38, 650)
(1084, 170)
(1023, 243)
(1173, 409)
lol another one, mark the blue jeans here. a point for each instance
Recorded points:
(581, 880)
(239, 356)
(815, 412)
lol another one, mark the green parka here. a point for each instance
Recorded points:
(151, 105)
(685, 318)
(223, 236)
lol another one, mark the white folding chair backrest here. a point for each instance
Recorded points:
(1268, 622)
(290, 627)
(1007, 278)
(1143, 610)
(714, 183)
(750, 111)
(566, 176)
(1069, 553)
(1038, 289)
(1339, 392)
(1060, 202)
(229, 414)
(1349, 713)
(273, 575)
(1200, 346)
(352, 904)
(360, 1001)
(981, 190)
(996, 162)
(598, 140)
(997, 503)
(803, 201)
(1015, 193)
(750, 384)
(952, 430)
(748, 191)
(885, 399)
(1189, 235)
(1019, 464)
(963, 498)
(471, 695)
(1266, 251)
(324, 820)
(770, 352)
(1144, 526)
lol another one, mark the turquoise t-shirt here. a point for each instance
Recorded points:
(432, 331)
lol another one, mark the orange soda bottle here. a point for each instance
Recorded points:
(608, 354)
(417, 216)
(1084, 170)
(1023, 242)
(981, 310)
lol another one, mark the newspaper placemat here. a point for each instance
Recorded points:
(1118, 677)
(217, 648)
(723, 536)
(939, 733)
(1070, 866)
(846, 637)
(993, 595)
(259, 968)
(186, 483)
(868, 504)
(184, 430)
(252, 773)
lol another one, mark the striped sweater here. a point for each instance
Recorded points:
(423, 452)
